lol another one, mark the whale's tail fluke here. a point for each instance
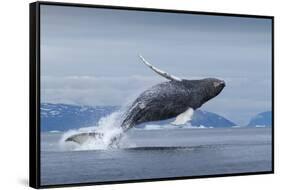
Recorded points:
(158, 71)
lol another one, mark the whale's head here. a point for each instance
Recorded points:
(201, 91)
(212, 87)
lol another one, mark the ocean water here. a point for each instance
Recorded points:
(161, 153)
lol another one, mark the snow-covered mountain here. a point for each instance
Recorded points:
(199, 118)
(62, 117)
(209, 119)
(263, 119)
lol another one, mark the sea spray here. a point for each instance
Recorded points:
(110, 128)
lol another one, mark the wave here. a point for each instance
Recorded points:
(159, 148)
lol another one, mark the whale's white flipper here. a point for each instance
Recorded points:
(158, 71)
(183, 117)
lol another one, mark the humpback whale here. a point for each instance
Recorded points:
(176, 97)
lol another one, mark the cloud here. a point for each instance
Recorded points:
(89, 56)
(90, 90)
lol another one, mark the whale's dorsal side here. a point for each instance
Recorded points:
(160, 72)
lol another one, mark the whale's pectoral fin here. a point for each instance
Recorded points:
(160, 72)
(183, 117)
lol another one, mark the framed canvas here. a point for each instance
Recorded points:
(122, 94)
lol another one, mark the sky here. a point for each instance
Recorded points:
(89, 56)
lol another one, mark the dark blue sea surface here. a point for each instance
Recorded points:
(159, 154)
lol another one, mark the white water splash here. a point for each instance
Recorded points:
(109, 126)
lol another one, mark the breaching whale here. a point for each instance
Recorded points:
(174, 98)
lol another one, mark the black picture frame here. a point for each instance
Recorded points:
(34, 91)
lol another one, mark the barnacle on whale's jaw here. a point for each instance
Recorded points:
(216, 85)
(220, 85)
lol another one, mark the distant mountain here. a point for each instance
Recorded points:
(209, 119)
(62, 117)
(199, 118)
(263, 119)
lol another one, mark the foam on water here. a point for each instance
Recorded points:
(188, 125)
(109, 126)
